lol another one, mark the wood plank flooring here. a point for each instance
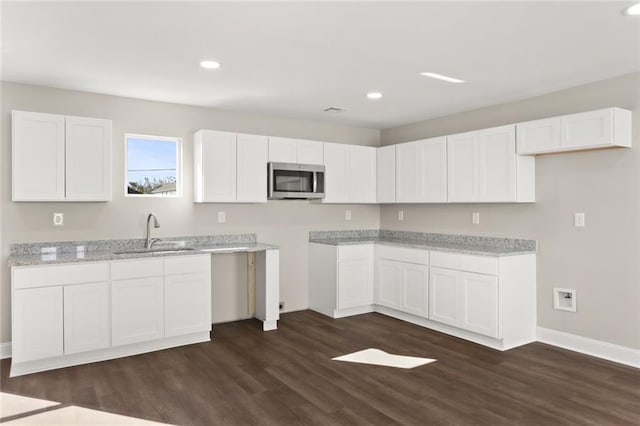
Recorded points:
(286, 377)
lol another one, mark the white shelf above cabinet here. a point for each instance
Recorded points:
(603, 128)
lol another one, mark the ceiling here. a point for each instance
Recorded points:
(295, 59)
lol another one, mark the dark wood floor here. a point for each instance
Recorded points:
(286, 377)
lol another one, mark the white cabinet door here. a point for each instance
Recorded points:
(415, 289)
(137, 310)
(215, 166)
(408, 179)
(497, 164)
(480, 303)
(444, 296)
(38, 171)
(355, 276)
(586, 129)
(187, 304)
(539, 136)
(386, 174)
(252, 152)
(309, 152)
(86, 317)
(38, 327)
(88, 159)
(362, 174)
(462, 163)
(282, 150)
(433, 170)
(336, 162)
(389, 284)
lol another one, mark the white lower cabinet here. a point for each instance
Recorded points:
(87, 320)
(187, 303)
(68, 314)
(37, 323)
(486, 299)
(137, 310)
(403, 279)
(341, 279)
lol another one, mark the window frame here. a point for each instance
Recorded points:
(178, 142)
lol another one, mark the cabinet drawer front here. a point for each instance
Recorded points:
(464, 262)
(126, 269)
(403, 254)
(44, 276)
(355, 252)
(187, 264)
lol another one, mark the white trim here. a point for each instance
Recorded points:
(5, 350)
(597, 348)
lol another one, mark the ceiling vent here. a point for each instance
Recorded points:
(334, 110)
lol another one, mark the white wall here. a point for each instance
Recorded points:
(286, 223)
(601, 261)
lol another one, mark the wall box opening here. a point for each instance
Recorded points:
(564, 299)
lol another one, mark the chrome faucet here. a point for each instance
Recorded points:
(151, 241)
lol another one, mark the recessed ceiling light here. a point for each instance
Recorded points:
(210, 65)
(374, 95)
(633, 10)
(441, 77)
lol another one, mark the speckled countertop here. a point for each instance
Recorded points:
(28, 254)
(466, 244)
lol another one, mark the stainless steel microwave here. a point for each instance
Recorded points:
(295, 181)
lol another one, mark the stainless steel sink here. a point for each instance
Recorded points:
(235, 248)
(155, 250)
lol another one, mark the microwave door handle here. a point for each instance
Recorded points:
(315, 182)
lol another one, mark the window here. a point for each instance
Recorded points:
(153, 166)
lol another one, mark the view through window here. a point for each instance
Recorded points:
(153, 166)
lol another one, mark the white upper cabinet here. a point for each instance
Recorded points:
(287, 150)
(309, 152)
(604, 128)
(463, 168)
(229, 167)
(539, 136)
(252, 152)
(350, 173)
(362, 174)
(483, 167)
(336, 163)
(214, 166)
(421, 171)
(386, 174)
(497, 164)
(73, 161)
(88, 159)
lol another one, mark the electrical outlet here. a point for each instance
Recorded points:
(58, 219)
(579, 220)
(475, 218)
(281, 306)
(400, 215)
(222, 217)
(347, 215)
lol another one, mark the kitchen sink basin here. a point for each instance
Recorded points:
(235, 248)
(155, 250)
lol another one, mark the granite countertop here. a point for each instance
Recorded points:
(29, 254)
(465, 244)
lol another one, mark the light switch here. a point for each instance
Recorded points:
(400, 214)
(347, 215)
(222, 217)
(58, 219)
(579, 220)
(475, 218)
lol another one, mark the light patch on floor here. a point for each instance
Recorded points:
(378, 357)
(11, 405)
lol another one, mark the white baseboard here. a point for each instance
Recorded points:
(5, 350)
(597, 348)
